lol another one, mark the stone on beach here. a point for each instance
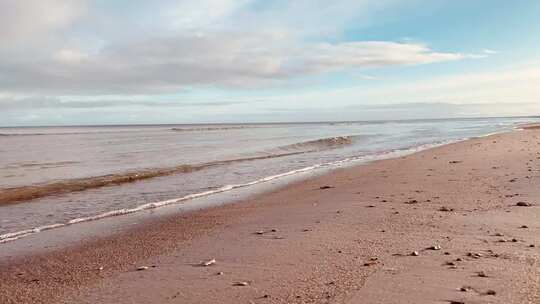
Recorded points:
(326, 187)
(141, 268)
(482, 274)
(435, 247)
(523, 204)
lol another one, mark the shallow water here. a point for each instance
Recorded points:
(82, 172)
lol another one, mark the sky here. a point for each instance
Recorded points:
(79, 62)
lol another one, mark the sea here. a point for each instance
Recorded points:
(52, 177)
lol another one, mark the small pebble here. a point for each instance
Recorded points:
(482, 274)
(140, 268)
(435, 247)
(415, 253)
(491, 292)
(240, 284)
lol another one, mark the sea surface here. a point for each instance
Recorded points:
(56, 176)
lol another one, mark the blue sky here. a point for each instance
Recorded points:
(67, 62)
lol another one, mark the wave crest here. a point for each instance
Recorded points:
(319, 144)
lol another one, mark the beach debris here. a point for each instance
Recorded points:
(274, 230)
(514, 240)
(220, 273)
(523, 204)
(208, 263)
(412, 202)
(450, 263)
(532, 245)
(490, 292)
(100, 268)
(241, 283)
(465, 288)
(415, 253)
(499, 234)
(482, 274)
(434, 247)
(326, 187)
(524, 227)
(259, 232)
(474, 255)
(372, 261)
(445, 209)
(141, 268)
(457, 302)
(455, 161)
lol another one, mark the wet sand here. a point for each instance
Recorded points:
(439, 226)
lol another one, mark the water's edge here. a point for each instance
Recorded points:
(13, 236)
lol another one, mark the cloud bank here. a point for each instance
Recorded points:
(73, 54)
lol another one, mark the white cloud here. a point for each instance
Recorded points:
(22, 21)
(168, 64)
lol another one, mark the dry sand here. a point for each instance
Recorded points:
(348, 243)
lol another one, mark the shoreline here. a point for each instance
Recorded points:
(347, 162)
(343, 242)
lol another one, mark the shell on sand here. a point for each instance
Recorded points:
(208, 263)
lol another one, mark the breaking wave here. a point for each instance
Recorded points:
(25, 193)
(319, 144)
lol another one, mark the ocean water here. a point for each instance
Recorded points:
(56, 176)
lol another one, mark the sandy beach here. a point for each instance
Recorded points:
(454, 224)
